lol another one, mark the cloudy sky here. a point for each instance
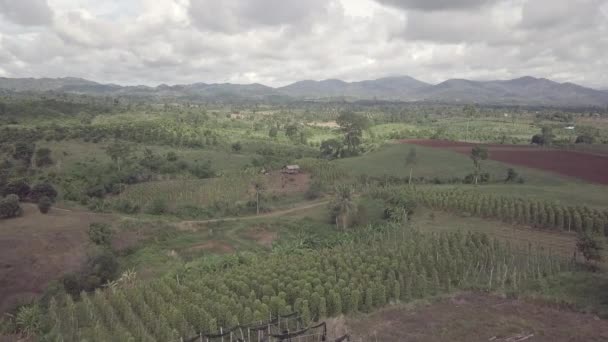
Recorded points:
(276, 42)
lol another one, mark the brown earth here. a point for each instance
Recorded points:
(36, 249)
(478, 317)
(261, 235)
(584, 165)
(280, 183)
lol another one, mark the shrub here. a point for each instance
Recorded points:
(585, 139)
(43, 190)
(29, 320)
(18, 187)
(314, 191)
(100, 234)
(43, 157)
(126, 207)
(9, 207)
(171, 156)
(157, 207)
(44, 204)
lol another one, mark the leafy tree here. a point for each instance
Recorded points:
(512, 176)
(291, 131)
(343, 205)
(352, 125)
(585, 139)
(43, 157)
(590, 246)
(478, 154)
(24, 152)
(237, 147)
(410, 160)
(273, 132)
(18, 187)
(119, 152)
(158, 206)
(44, 204)
(43, 190)
(331, 149)
(100, 234)
(9, 207)
(537, 139)
(548, 136)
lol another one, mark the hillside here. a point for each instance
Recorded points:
(520, 91)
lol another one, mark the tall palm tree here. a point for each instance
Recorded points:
(258, 186)
(343, 205)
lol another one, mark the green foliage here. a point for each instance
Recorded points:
(478, 154)
(44, 204)
(29, 320)
(42, 190)
(312, 282)
(9, 207)
(43, 157)
(590, 245)
(158, 206)
(17, 187)
(100, 234)
(236, 147)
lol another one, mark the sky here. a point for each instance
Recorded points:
(277, 42)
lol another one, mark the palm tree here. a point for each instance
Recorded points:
(343, 205)
(258, 186)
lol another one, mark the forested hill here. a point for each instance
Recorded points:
(520, 91)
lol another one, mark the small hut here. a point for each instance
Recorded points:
(291, 169)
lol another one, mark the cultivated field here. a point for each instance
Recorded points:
(587, 166)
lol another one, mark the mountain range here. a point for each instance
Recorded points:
(520, 91)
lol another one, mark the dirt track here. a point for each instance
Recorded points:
(587, 166)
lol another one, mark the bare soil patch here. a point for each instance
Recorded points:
(587, 166)
(261, 235)
(214, 246)
(280, 183)
(36, 249)
(478, 317)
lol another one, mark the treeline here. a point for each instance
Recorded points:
(512, 210)
(397, 266)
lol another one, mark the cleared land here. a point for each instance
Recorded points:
(36, 248)
(477, 317)
(587, 166)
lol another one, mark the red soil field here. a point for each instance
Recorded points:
(587, 166)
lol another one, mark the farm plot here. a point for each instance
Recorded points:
(586, 166)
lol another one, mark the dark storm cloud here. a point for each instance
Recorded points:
(26, 12)
(436, 5)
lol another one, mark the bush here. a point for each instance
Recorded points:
(9, 207)
(43, 190)
(171, 156)
(17, 187)
(43, 157)
(44, 204)
(126, 207)
(314, 191)
(157, 207)
(100, 234)
(585, 139)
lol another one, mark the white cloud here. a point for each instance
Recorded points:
(279, 41)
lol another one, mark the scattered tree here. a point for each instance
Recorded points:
(42, 190)
(343, 205)
(411, 161)
(100, 234)
(44, 204)
(9, 207)
(259, 185)
(331, 149)
(478, 154)
(43, 157)
(237, 147)
(590, 246)
(119, 152)
(352, 125)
